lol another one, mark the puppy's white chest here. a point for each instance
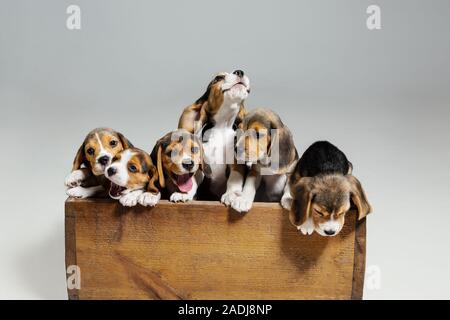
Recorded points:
(219, 152)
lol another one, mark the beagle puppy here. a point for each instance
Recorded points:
(94, 155)
(179, 157)
(266, 148)
(324, 190)
(216, 114)
(131, 173)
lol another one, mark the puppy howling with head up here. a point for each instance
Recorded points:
(179, 157)
(265, 148)
(217, 113)
(133, 176)
(95, 154)
(324, 190)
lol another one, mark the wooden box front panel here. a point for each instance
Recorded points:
(203, 250)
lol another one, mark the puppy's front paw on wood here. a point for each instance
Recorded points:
(78, 192)
(242, 203)
(229, 197)
(130, 199)
(180, 197)
(286, 201)
(75, 179)
(149, 199)
(307, 228)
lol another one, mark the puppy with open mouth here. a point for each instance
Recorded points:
(99, 147)
(324, 190)
(179, 157)
(266, 146)
(133, 176)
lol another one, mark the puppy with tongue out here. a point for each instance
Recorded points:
(178, 157)
(133, 176)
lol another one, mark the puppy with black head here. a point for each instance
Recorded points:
(324, 190)
(179, 159)
(265, 146)
(99, 147)
(133, 177)
(217, 114)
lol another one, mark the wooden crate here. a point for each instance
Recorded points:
(203, 250)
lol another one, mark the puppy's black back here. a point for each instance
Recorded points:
(322, 158)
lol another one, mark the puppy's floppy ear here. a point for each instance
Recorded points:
(125, 142)
(359, 198)
(153, 174)
(80, 159)
(282, 151)
(303, 195)
(159, 167)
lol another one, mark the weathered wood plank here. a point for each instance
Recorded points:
(202, 250)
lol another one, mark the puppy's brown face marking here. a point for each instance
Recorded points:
(226, 89)
(329, 200)
(181, 152)
(254, 145)
(178, 155)
(131, 169)
(98, 149)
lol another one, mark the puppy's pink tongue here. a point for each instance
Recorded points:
(184, 183)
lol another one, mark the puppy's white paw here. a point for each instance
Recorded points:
(149, 199)
(78, 192)
(286, 201)
(180, 197)
(229, 197)
(74, 179)
(307, 228)
(130, 199)
(242, 203)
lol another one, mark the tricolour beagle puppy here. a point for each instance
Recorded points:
(217, 113)
(133, 176)
(266, 147)
(94, 155)
(324, 190)
(179, 157)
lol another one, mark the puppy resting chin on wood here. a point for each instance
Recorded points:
(324, 190)
(131, 173)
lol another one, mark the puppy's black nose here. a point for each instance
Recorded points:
(239, 73)
(188, 166)
(111, 172)
(103, 160)
(330, 232)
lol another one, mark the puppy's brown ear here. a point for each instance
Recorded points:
(282, 151)
(80, 159)
(159, 167)
(125, 142)
(153, 174)
(359, 197)
(303, 195)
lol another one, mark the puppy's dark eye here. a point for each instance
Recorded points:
(194, 150)
(90, 151)
(132, 168)
(218, 78)
(113, 143)
(171, 153)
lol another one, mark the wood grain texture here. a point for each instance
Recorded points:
(203, 250)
